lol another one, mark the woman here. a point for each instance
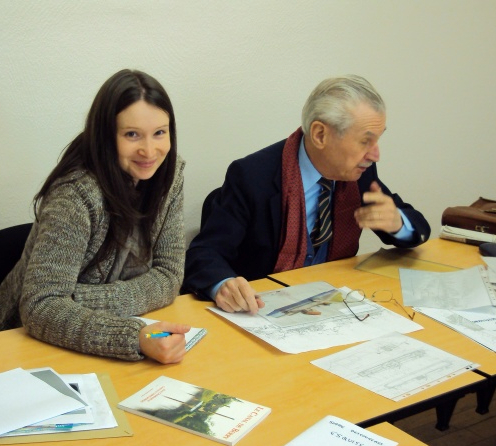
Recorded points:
(108, 240)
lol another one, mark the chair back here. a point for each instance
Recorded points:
(12, 241)
(207, 206)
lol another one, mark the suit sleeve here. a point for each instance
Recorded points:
(214, 250)
(420, 225)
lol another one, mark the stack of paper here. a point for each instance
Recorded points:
(465, 235)
(41, 401)
(464, 300)
(27, 400)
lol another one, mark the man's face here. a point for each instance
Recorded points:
(346, 157)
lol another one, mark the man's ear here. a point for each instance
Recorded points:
(319, 133)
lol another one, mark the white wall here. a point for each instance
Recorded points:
(238, 73)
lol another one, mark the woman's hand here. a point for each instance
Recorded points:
(166, 350)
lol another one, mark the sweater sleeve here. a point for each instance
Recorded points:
(159, 286)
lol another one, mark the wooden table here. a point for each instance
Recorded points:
(343, 273)
(231, 361)
(393, 433)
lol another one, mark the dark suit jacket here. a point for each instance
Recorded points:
(241, 234)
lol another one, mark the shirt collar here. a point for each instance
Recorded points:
(309, 174)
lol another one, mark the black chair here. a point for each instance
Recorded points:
(207, 205)
(12, 241)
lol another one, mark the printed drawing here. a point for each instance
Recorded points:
(313, 316)
(284, 309)
(394, 366)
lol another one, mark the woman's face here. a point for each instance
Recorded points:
(143, 139)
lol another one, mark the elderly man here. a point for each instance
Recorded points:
(301, 201)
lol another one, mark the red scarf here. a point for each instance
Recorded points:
(293, 244)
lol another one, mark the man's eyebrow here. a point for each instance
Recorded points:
(369, 133)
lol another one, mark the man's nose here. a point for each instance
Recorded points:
(374, 153)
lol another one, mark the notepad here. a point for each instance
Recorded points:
(193, 336)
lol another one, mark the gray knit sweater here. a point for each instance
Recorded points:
(60, 304)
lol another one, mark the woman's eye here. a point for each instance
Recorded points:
(131, 134)
(160, 132)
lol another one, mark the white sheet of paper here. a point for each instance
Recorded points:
(394, 366)
(57, 381)
(92, 391)
(336, 431)
(463, 325)
(335, 325)
(491, 263)
(26, 400)
(457, 290)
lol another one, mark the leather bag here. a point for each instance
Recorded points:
(480, 216)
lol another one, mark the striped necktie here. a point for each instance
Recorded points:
(322, 230)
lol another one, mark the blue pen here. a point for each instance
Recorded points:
(157, 334)
(37, 428)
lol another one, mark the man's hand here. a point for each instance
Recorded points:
(382, 214)
(237, 295)
(167, 350)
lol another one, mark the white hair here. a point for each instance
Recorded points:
(334, 100)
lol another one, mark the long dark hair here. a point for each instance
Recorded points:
(95, 150)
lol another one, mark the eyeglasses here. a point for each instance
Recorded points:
(355, 296)
(379, 296)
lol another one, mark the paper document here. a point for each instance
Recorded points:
(491, 264)
(479, 326)
(313, 316)
(91, 391)
(80, 416)
(484, 317)
(457, 290)
(26, 400)
(336, 431)
(395, 366)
